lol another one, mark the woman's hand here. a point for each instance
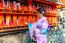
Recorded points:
(26, 23)
(36, 30)
(33, 39)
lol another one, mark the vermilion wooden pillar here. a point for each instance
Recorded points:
(33, 19)
(20, 21)
(14, 20)
(25, 18)
(1, 21)
(30, 19)
(8, 20)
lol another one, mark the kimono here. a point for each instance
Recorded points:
(41, 30)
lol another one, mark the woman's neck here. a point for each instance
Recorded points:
(41, 15)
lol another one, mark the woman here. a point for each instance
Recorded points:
(41, 27)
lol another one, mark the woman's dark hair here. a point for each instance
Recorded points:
(40, 10)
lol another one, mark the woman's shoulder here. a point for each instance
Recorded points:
(42, 19)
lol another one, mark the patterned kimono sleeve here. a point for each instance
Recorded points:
(31, 29)
(43, 24)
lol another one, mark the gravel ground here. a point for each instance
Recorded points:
(11, 38)
(16, 38)
(54, 37)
